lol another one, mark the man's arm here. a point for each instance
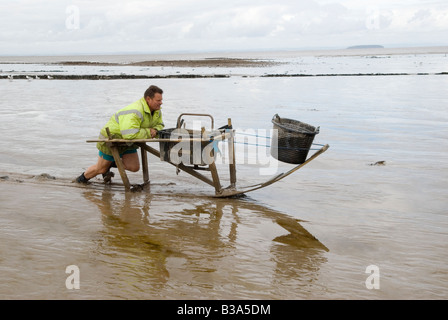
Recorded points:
(130, 127)
(159, 125)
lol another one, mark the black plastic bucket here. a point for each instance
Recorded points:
(291, 140)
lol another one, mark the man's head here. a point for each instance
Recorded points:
(153, 96)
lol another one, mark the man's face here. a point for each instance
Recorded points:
(154, 103)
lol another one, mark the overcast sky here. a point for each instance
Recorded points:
(30, 27)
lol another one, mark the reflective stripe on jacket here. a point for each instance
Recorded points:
(131, 122)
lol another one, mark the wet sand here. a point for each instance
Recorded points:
(147, 246)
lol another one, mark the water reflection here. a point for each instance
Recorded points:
(171, 246)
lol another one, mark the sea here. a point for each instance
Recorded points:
(365, 220)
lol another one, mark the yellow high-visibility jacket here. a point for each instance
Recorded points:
(131, 122)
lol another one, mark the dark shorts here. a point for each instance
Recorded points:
(110, 158)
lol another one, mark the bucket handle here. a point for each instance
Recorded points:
(276, 118)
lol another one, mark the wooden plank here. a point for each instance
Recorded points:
(232, 164)
(120, 168)
(144, 157)
(118, 162)
(215, 176)
(217, 137)
(234, 192)
(180, 166)
(147, 140)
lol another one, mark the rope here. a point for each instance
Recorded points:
(269, 146)
(253, 135)
(283, 148)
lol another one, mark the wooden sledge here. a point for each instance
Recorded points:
(228, 192)
(222, 134)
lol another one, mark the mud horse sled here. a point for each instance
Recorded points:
(194, 151)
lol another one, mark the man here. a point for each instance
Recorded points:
(139, 120)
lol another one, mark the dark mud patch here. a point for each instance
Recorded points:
(199, 63)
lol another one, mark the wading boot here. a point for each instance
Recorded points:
(107, 177)
(82, 179)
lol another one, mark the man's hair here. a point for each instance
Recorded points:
(152, 90)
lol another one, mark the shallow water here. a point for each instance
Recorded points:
(309, 236)
(286, 63)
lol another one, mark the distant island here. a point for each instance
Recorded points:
(367, 46)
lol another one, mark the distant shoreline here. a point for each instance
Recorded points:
(368, 46)
(252, 58)
(196, 76)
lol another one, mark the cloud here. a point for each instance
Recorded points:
(42, 27)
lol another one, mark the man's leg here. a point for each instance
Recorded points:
(131, 161)
(102, 166)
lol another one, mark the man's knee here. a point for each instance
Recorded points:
(131, 162)
(133, 167)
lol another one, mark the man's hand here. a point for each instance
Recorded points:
(153, 132)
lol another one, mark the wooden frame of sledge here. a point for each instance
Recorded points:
(214, 181)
